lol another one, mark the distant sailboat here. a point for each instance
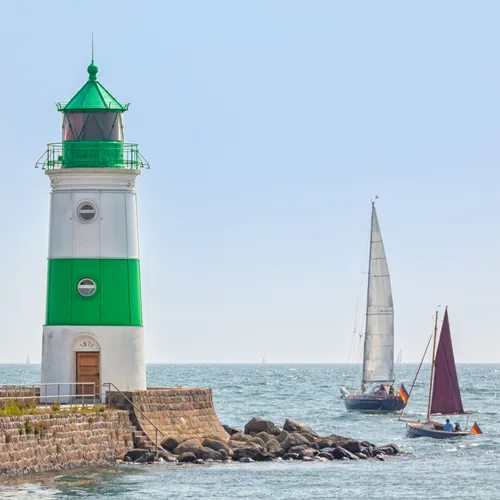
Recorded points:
(400, 357)
(264, 360)
(444, 390)
(378, 358)
(27, 360)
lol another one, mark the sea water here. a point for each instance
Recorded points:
(467, 468)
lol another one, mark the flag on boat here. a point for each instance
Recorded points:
(475, 429)
(403, 394)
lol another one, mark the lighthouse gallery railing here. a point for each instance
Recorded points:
(92, 154)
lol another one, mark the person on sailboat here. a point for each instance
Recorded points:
(457, 427)
(381, 390)
(391, 390)
(448, 427)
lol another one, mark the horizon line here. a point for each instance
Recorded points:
(266, 363)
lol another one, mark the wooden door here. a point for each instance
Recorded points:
(87, 370)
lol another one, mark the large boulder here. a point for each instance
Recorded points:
(353, 446)
(206, 453)
(170, 443)
(231, 430)
(294, 426)
(367, 444)
(298, 448)
(257, 425)
(309, 437)
(215, 445)
(282, 436)
(272, 446)
(258, 442)
(290, 456)
(145, 458)
(263, 456)
(188, 446)
(233, 445)
(324, 443)
(166, 456)
(347, 443)
(323, 454)
(254, 446)
(224, 455)
(186, 457)
(294, 440)
(249, 452)
(240, 436)
(302, 450)
(265, 436)
(339, 453)
(388, 449)
(396, 449)
(133, 455)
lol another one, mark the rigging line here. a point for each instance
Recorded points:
(416, 375)
(354, 358)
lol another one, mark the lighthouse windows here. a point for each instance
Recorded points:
(86, 287)
(93, 126)
(86, 212)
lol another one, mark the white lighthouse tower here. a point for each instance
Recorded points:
(93, 330)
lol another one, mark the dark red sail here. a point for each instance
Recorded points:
(446, 397)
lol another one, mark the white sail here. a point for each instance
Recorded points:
(378, 361)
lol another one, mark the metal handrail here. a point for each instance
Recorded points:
(109, 384)
(118, 154)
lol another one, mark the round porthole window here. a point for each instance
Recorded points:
(86, 287)
(86, 211)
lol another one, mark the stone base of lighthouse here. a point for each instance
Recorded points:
(78, 358)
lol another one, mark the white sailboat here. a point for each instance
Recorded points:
(378, 352)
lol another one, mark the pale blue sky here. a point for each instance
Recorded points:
(269, 125)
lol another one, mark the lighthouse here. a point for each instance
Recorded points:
(93, 332)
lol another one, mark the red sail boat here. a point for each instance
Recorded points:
(444, 391)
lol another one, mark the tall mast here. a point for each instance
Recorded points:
(432, 368)
(368, 292)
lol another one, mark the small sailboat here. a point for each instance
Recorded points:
(444, 391)
(378, 357)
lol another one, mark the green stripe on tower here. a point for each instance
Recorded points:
(116, 301)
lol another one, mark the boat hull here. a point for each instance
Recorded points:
(373, 404)
(428, 429)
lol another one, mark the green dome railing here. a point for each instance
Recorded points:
(92, 154)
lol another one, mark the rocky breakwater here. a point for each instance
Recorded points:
(261, 440)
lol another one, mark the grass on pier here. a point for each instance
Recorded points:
(17, 408)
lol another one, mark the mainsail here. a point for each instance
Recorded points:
(378, 361)
(446, 397)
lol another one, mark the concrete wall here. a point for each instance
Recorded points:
(62, 441)
(179, 412)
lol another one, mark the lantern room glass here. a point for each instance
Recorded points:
(93, 126)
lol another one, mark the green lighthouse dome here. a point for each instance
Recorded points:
(93, 131)
(92, 97)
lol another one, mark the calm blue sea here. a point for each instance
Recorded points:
(468, 468)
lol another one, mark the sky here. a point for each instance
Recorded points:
(269, 126)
